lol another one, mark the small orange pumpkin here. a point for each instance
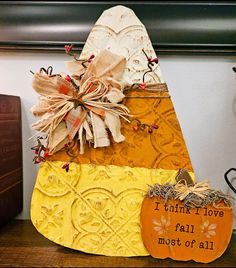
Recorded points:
(171, 229)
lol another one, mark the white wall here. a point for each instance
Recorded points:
(203, 90)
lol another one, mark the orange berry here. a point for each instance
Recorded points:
(135, 127)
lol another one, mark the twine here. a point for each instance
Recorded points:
(192, 198)
(150, 88)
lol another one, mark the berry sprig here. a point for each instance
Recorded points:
(150, 63)
(69, 51)
(142, 126)
(40, 150)
(84, 62)
(69, 148)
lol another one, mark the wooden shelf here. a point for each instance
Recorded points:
(22, 246)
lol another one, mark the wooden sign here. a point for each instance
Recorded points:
(170, 229)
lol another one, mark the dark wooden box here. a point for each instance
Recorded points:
(11, 176)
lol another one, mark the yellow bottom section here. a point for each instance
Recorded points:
(94, 208)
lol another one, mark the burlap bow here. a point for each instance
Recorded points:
(200, 189)
(87, 111)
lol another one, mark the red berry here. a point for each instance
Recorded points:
(142, 85)
(68, 78)
(154, 60)
(135, 127)
(68, 48)
(46, 154)
(66, 166)
(155, 126)
(150, 130)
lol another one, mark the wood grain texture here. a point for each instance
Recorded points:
(11, 177)
(22, 246)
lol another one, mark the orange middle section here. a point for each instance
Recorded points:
(163, 148)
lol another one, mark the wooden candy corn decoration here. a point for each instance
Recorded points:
(88, 195)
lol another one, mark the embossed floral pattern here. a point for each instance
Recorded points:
(97, 212)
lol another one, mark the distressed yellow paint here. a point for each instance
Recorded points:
(93, 208)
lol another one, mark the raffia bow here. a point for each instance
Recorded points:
(87, 111)
(201, 189)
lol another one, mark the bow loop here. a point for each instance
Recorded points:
(200, 189)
